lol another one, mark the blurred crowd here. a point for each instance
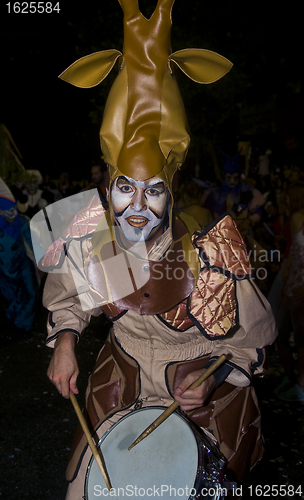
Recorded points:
(267, 206)
(256, 198)
(263, 199)
(258, 203)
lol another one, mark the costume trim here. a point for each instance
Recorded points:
(50, 319)
(114, 318)
(237, 367)
(54, 337)
(260, 360)
(174, 328)
(60, 246)
(221, 373)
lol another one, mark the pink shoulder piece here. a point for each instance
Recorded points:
(83, 224)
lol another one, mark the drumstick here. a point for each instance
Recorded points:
(175, 404)
(98, 457)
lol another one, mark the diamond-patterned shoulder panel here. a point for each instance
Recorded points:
(213, 303)
(177, 318)
(223, 247)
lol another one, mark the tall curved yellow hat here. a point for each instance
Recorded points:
(144, 129)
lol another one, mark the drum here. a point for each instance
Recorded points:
(177, 460)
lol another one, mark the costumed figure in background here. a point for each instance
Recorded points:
(243, 202)
(176, 294)
(32, 198)
(18, 277)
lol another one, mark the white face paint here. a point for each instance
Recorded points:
(139, 207)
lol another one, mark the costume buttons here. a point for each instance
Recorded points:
(146, 268)
(146, 294)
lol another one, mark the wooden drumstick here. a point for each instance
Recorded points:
(175, 404)
(98, 456)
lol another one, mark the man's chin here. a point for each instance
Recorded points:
(132, 234)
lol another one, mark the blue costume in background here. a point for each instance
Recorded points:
(243, 195)
(18, 280)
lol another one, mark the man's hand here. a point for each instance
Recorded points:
(63, 368)
(193, 398)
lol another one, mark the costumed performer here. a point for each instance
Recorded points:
(178, 297)
(241, 200)
(19, 280)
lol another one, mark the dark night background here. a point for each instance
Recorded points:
(55, 127)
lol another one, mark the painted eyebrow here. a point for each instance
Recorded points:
(126, 180)
(133, 183)
(157, 183)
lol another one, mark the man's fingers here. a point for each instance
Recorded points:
(196, 399)
(188, 399)
(73, 386)
(191, 393)
(65, 390)
(63, 368)
(183, 386)
(64, 384)
(61, 385)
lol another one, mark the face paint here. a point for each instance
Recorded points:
(9, 215)
(139, 207)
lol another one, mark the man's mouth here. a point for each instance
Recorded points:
(137, 221)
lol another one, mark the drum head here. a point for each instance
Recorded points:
(163, 464)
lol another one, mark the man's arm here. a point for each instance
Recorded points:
(70, 306)
(63, 368)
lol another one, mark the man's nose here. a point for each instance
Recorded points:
(139, 201)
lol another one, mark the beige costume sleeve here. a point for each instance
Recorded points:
(67, 297)
(246, 345)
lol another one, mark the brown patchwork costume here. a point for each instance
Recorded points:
(191, 298)
(149, 353)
